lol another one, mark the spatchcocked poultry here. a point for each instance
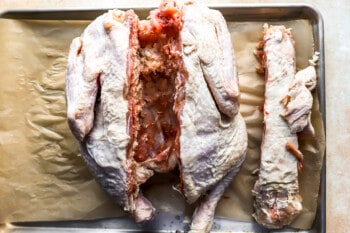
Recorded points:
(146, 96)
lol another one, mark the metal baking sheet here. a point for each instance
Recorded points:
(175, 223)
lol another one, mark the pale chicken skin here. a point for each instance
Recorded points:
(287, 110)
(157, 95)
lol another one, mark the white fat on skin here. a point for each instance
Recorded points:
(113, 82)
(298, 102)
(98, 59)
(208, 34)
(112, 66)
(213, 139)
(107, 156)
(205, 143)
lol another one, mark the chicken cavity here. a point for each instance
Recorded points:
(154, 126)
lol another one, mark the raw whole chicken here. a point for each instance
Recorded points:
(287, 111)
(146, 96)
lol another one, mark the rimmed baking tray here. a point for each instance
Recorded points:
(172, 222)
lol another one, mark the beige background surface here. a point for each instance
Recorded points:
(336, 16)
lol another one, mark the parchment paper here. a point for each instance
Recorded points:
(42, 175)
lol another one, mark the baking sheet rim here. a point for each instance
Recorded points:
(315, 17)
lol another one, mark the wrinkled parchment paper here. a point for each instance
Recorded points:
(42, 175)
